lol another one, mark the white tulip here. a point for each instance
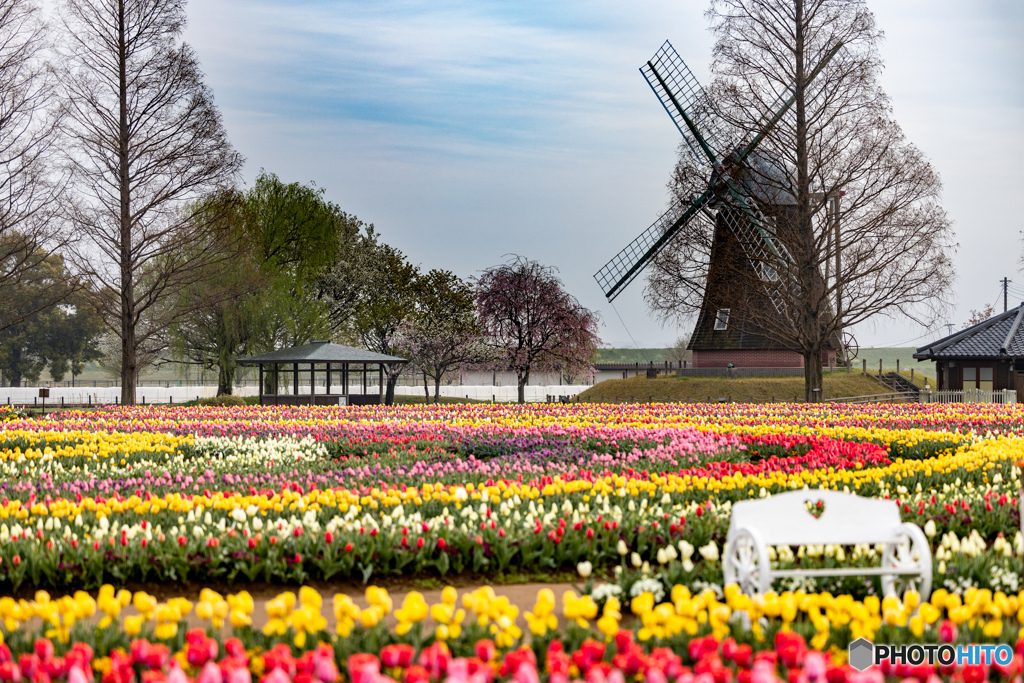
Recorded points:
(709, 552)
(621, 548)
(635, 560)
(585, 568)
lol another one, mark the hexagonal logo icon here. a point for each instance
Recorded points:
(862, 654)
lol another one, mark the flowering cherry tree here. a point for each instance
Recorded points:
(532, 323)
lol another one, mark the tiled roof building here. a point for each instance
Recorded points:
(987, 356)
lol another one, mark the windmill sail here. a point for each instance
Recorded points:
(628, 263)
(687, 104)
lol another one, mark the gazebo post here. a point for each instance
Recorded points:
(312, 384)
(328, 384)
(364, 380)
(380, 383)
(295, 379)
(261, 383)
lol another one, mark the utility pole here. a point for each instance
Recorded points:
(832, 201)
(1006, 282)
(949, 328)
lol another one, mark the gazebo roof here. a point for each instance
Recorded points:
(320, 352)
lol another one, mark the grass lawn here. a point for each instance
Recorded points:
(741, 390)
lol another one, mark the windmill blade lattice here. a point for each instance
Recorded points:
(627, 264)
(767, 255)
(681, 94)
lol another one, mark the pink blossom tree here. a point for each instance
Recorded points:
(532, 323)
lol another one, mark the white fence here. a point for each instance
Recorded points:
(110, 395)
(504, 394)
(153, 394)
(1004, 397)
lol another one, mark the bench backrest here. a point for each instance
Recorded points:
(783, 519)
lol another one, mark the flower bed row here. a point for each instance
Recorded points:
(687, 639)
(80, 508)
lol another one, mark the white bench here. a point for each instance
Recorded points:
(784, 519)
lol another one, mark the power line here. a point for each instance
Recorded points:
(628, 332)
(904, 342)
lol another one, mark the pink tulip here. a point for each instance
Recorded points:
(210, 673)
(176, 675)
(814, 666)
(324, 669)
(76, 675)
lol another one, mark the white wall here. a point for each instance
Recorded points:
(103, 395)
(109, 395)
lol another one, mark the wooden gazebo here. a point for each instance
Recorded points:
(320, 373)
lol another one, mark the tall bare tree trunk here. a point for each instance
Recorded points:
(145, 151)
(129, 367)
(813, 379)
(522, 378)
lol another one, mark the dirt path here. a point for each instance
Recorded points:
(523, 596)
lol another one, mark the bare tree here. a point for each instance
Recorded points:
(979, 316)
(679, 353)
(145, 143)
(29, 187)
(894, 238)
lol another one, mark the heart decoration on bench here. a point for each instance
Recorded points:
(816, 508)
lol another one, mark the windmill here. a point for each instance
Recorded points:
(741, 205)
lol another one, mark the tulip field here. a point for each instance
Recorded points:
(632, 500)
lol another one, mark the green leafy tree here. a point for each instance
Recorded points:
(280, 237)
(442, 334)
(63, 337)
(384, 302)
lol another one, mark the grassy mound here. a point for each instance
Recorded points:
(740, 390)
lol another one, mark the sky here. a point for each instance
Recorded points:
(467, 132)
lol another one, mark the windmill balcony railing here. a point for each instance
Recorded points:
(1002, 396)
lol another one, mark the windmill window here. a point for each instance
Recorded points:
(722, 319)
